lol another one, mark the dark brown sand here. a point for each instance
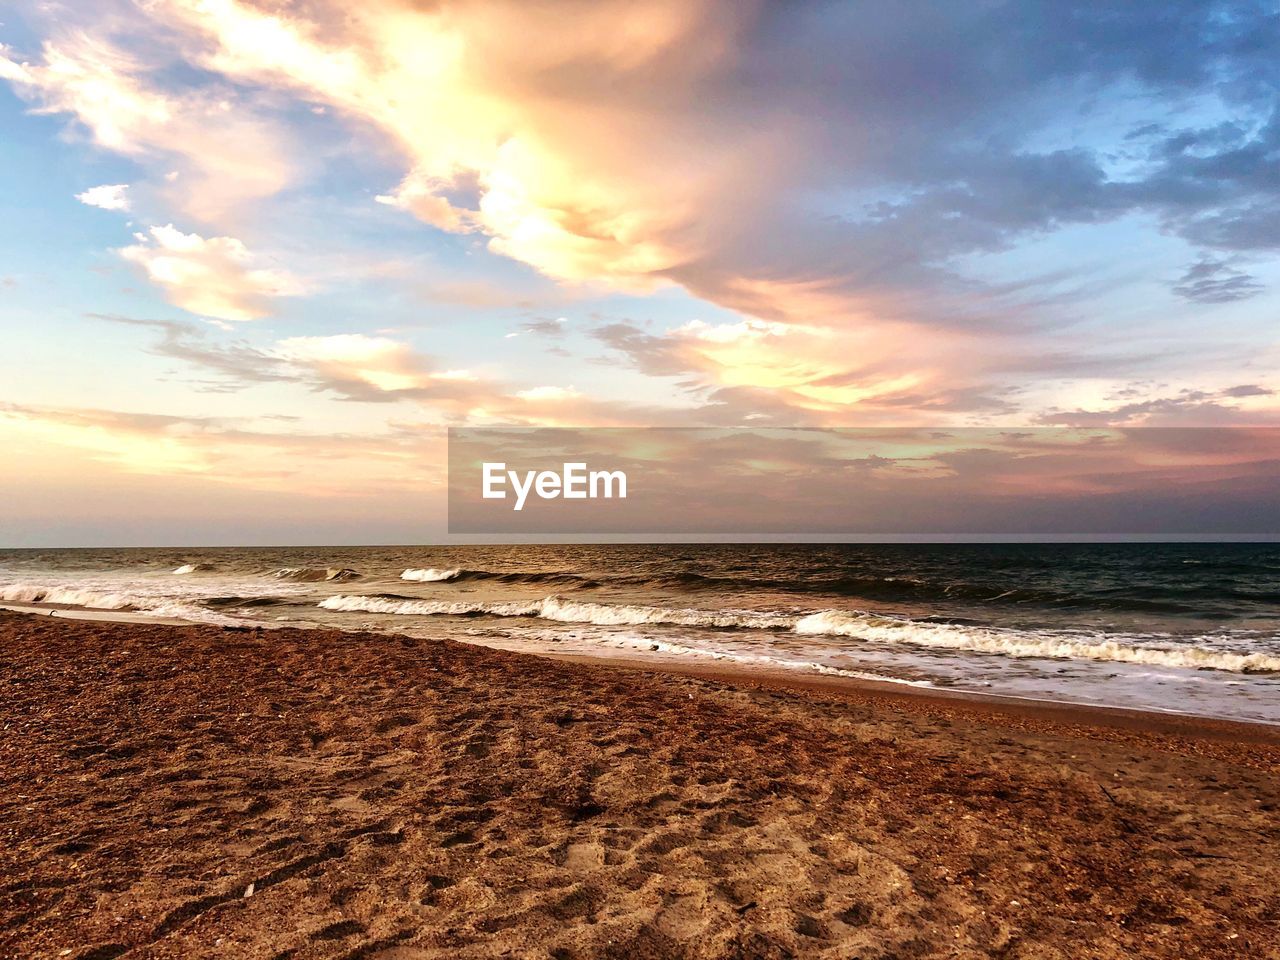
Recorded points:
(194, 792)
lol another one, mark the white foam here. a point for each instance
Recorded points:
(98, 599)
(563, 611)
(430, 575)
(764, 661)
(1013, 643)
(70, 596)
(422, 608)
(853, 624)
(192, 568)
(576, 611)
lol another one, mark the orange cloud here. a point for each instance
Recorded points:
(617, 142)
(580, 145)
(254, 453)
(379, 362)
(213, 277)
(495, 141)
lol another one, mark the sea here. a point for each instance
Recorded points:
(1190, 628)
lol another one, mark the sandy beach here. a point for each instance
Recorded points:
(194, 791)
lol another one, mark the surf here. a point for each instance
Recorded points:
(855, 625)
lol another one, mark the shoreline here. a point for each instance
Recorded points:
(196, 792)
(978, 704)
(68, 612)
(1063, 710)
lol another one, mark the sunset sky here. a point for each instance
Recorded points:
(256, 256)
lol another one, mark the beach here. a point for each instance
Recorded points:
(199, 791)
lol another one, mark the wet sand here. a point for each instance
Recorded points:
(192, 791)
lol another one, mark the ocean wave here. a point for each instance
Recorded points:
(316, 574)
(431, 575)
(461, 575)
(551, 577)
(837, 623)
(236, 601)
(561, 610)
(122, 601)
(882, 588)
(192, 568)
(1012, 643)
(911, 589)
(69, 596)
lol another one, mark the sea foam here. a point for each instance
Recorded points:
(99, 599)
(1014, 643)
(836, 623)
(561, 610)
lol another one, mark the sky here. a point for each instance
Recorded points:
(256, 257)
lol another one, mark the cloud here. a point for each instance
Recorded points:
(262, 453)
(885, 147)
(359, 368)
(107, 197)
(653, 355)
(237, 364)
(847, 180)
(386, 365)
(368, 369)
(1238, 405)
(1247, 390)
(744, 331)
(543, 327)
(484, 156)
(353, 366)
(548, 393)
(1216, 281)
(225, 153)
(753, 370)
(214, 277)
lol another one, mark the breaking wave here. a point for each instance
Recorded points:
(96, 599)
(316, 574)
(1013, 643)
(192, 568)
(563, 578)
(430, 575)
(561, 610)
(556, 577)
(851, 624)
